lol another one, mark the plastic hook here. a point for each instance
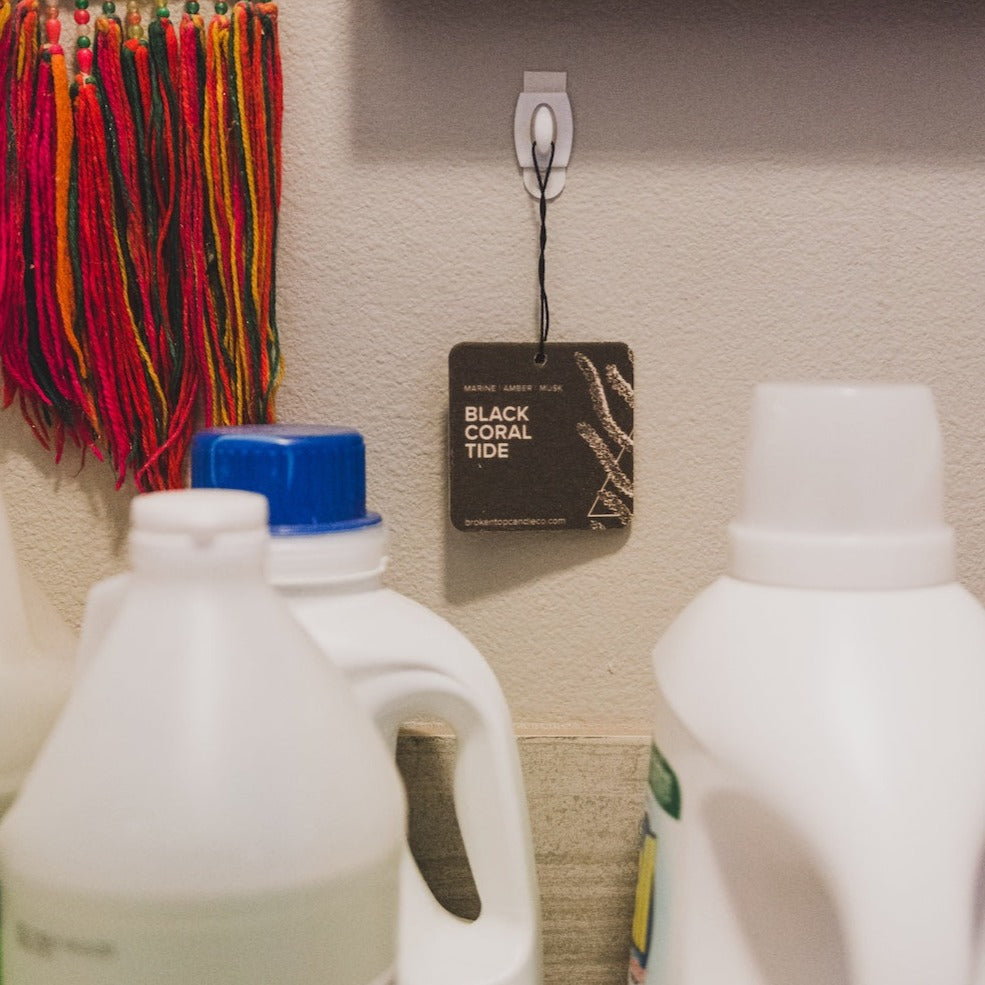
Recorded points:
(543, 114)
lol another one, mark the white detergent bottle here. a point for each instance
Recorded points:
(212, 806)
(327, 558)
(36, 648)
(817, 784)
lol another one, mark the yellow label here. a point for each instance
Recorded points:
(644, 893)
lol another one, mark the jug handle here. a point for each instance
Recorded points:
(502, 945)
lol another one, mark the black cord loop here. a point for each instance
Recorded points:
(545, 311)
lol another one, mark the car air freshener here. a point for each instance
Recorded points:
(540, 445)
(540, 436)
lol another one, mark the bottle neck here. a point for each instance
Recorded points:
(862, 561)
(189, 556)
(343, 560)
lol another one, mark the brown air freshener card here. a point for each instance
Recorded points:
(540, 445)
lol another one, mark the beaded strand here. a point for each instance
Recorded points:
(135, 30)
(109, 11)
(52, 25)
(83, 39)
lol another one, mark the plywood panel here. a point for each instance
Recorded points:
(585, 797)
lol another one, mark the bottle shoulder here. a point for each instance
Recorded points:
(218, 736)
(868, 680)
(729, 615)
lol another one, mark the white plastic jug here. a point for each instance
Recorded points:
(817, 790)
(212, 805)
(405, 662)
(36, 648)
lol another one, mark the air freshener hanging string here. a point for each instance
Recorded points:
(545, 310)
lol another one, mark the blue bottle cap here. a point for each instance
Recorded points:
(313, 477)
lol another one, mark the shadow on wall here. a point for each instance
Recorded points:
(508, 559)
(76, 470)
(678, 78)
(23, 459)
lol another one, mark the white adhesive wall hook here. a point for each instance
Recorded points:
(543, 114)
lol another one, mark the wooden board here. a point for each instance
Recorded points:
(585, 796)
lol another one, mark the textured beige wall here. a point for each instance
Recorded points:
(788, 190)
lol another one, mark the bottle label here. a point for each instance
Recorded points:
(305, 938)
(663, 809)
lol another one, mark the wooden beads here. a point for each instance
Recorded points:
(135, 30)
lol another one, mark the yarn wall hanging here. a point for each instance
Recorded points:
(139, 199)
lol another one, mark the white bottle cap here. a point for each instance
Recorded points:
(191, 527)
(843, 490)
(198, 511)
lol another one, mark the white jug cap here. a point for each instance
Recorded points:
(843, 490)
(198, 511)
(192, 529)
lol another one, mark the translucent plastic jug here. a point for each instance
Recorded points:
(327, 558)
(817, 795)
(212, 806)
(36, 649)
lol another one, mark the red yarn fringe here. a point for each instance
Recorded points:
(7, 47)
(138, 230)
(21, 82)
(200, 309)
